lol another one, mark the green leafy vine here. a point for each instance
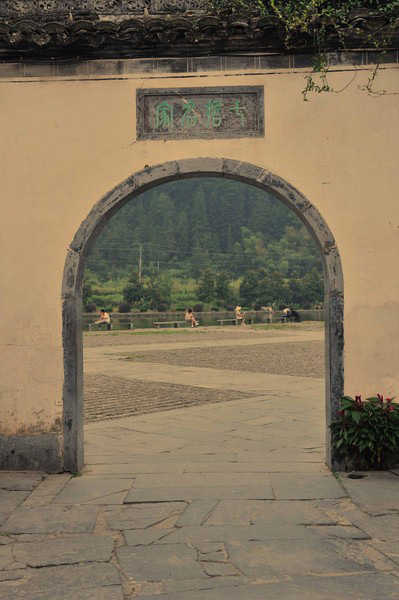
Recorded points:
(343, 24)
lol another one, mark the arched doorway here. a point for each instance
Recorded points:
(154, 176)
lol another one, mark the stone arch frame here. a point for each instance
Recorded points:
(156, 175)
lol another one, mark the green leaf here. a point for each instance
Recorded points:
(347, 402)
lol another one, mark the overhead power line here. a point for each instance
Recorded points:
(231, 253)
(170, 262)
(236, 268)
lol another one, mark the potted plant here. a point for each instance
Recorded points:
(366, 433)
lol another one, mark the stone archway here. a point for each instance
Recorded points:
(154, 176)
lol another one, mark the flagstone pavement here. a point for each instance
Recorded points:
(226, 501)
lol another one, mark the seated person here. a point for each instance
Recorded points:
(295, 316)
(286, 315)
(190, 318)
(269, 314)
(105, 319)
(240, 316)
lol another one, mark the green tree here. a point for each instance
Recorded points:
(183, 232)
(280, 294)
(199, 221)
(273, 289)
(206, 289)
(134, 290)
(158, 291)
(249, 287)
(87, 291)
(160, 227)
(190, 225)
(295, 290)
(265, 292)
(312, 287)
(222, 288)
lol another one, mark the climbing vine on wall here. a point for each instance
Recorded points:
(329, 24)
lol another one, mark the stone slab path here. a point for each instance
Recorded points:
(171, 376)
(226, 501)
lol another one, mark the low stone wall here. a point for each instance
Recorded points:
(308, 315)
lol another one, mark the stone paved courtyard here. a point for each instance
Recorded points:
(227, 499)
(286, 349)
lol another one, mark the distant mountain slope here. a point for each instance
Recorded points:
(190, 224)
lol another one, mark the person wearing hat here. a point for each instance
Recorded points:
(240, 316)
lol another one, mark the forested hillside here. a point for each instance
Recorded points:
(184, 227)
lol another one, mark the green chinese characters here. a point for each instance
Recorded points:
(164, 115)
(190, 116)
(210, 115)
(239, 111)
(213, 111)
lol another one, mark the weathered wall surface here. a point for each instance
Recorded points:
(66, 141)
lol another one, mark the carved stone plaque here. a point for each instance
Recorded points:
(214, 112)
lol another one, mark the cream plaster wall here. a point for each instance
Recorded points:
(65, 143)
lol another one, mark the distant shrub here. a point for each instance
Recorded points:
(180, 309)
(124, 307)
(99, 300)
(113, 299)
(307, 305)
(109, 299)
(215, 309)
(162, 307)
(91, 307)
(257, 306)
(198, 307)
(143, 309)
(230, 308)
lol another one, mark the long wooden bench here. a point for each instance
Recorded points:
(236, 321)
(94, 327)
(290, 320)
(221, 321)
(175, 324)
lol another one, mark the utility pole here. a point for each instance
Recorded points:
(140, 260)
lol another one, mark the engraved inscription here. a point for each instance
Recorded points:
(225, 112)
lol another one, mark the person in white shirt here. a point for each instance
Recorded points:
(104, 319)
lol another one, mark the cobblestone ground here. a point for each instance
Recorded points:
(165, 336)
(114, 397)
(302, 359)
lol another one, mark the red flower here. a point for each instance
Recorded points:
(341, 413)
(390, 408)
(388, 400)
(380, 398)
(358, 399)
